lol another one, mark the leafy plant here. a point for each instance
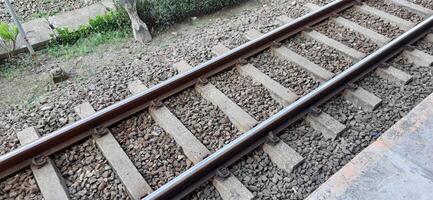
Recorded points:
(8, 36)
(87, 44)
(111, 21)
(157, 13)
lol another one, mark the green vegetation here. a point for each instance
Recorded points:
(157, 13)
(116, 25)
(87, 44)
(110, 27)
(112, 21)
(8, 36)
(42, 14)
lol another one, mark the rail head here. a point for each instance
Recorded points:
(199, 173)
(64, 137)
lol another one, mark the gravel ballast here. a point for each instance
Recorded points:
(284, 72)
(372, 22)
(252, 97)
(87, 174)
(424, 3)
(105, 74)
(203, 119)
(346, 36)
(318, 53)
(151, 149)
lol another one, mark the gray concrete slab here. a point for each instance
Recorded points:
(283, 156)
(38, 32)
(419, 58)
(362, 98)
(394, 74)
(327, 125)
(49, 180)
(231, 188)
(74, 19)
(399, 165)
(134, 182)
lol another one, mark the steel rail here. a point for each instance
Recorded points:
(202, 171)
(64, 137)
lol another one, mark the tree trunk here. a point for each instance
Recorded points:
(139, 28)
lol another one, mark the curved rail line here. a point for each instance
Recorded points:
(266, 131)
(64, 137)
(190, 179)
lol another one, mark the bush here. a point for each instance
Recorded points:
(112, 21)
(156, 13)
(8, 36)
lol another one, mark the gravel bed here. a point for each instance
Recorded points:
(325, 157)
(154, 152)
(206, 191)
(395, 10)
(266, 181)
(425, 46)
(87, 174)
(346, 36)
(105, 83)
(372, 22)
(250, 96)
(284, 72)
(30, 9)
(318, 53)
(424, 3)
(204, 120)
(20, 186)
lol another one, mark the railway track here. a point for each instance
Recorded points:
(211, 161)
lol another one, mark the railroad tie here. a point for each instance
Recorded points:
(328, 126)
(358, 96)
(392, 19)
(420, 10)
(390, 73)
(229, 188)
(281, 154)
(50, 182)
(135, 184)
(415, 56)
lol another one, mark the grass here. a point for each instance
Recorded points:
(87, 44)
(42, 14)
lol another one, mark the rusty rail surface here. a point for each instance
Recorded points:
(64, 137)
(202, 171)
